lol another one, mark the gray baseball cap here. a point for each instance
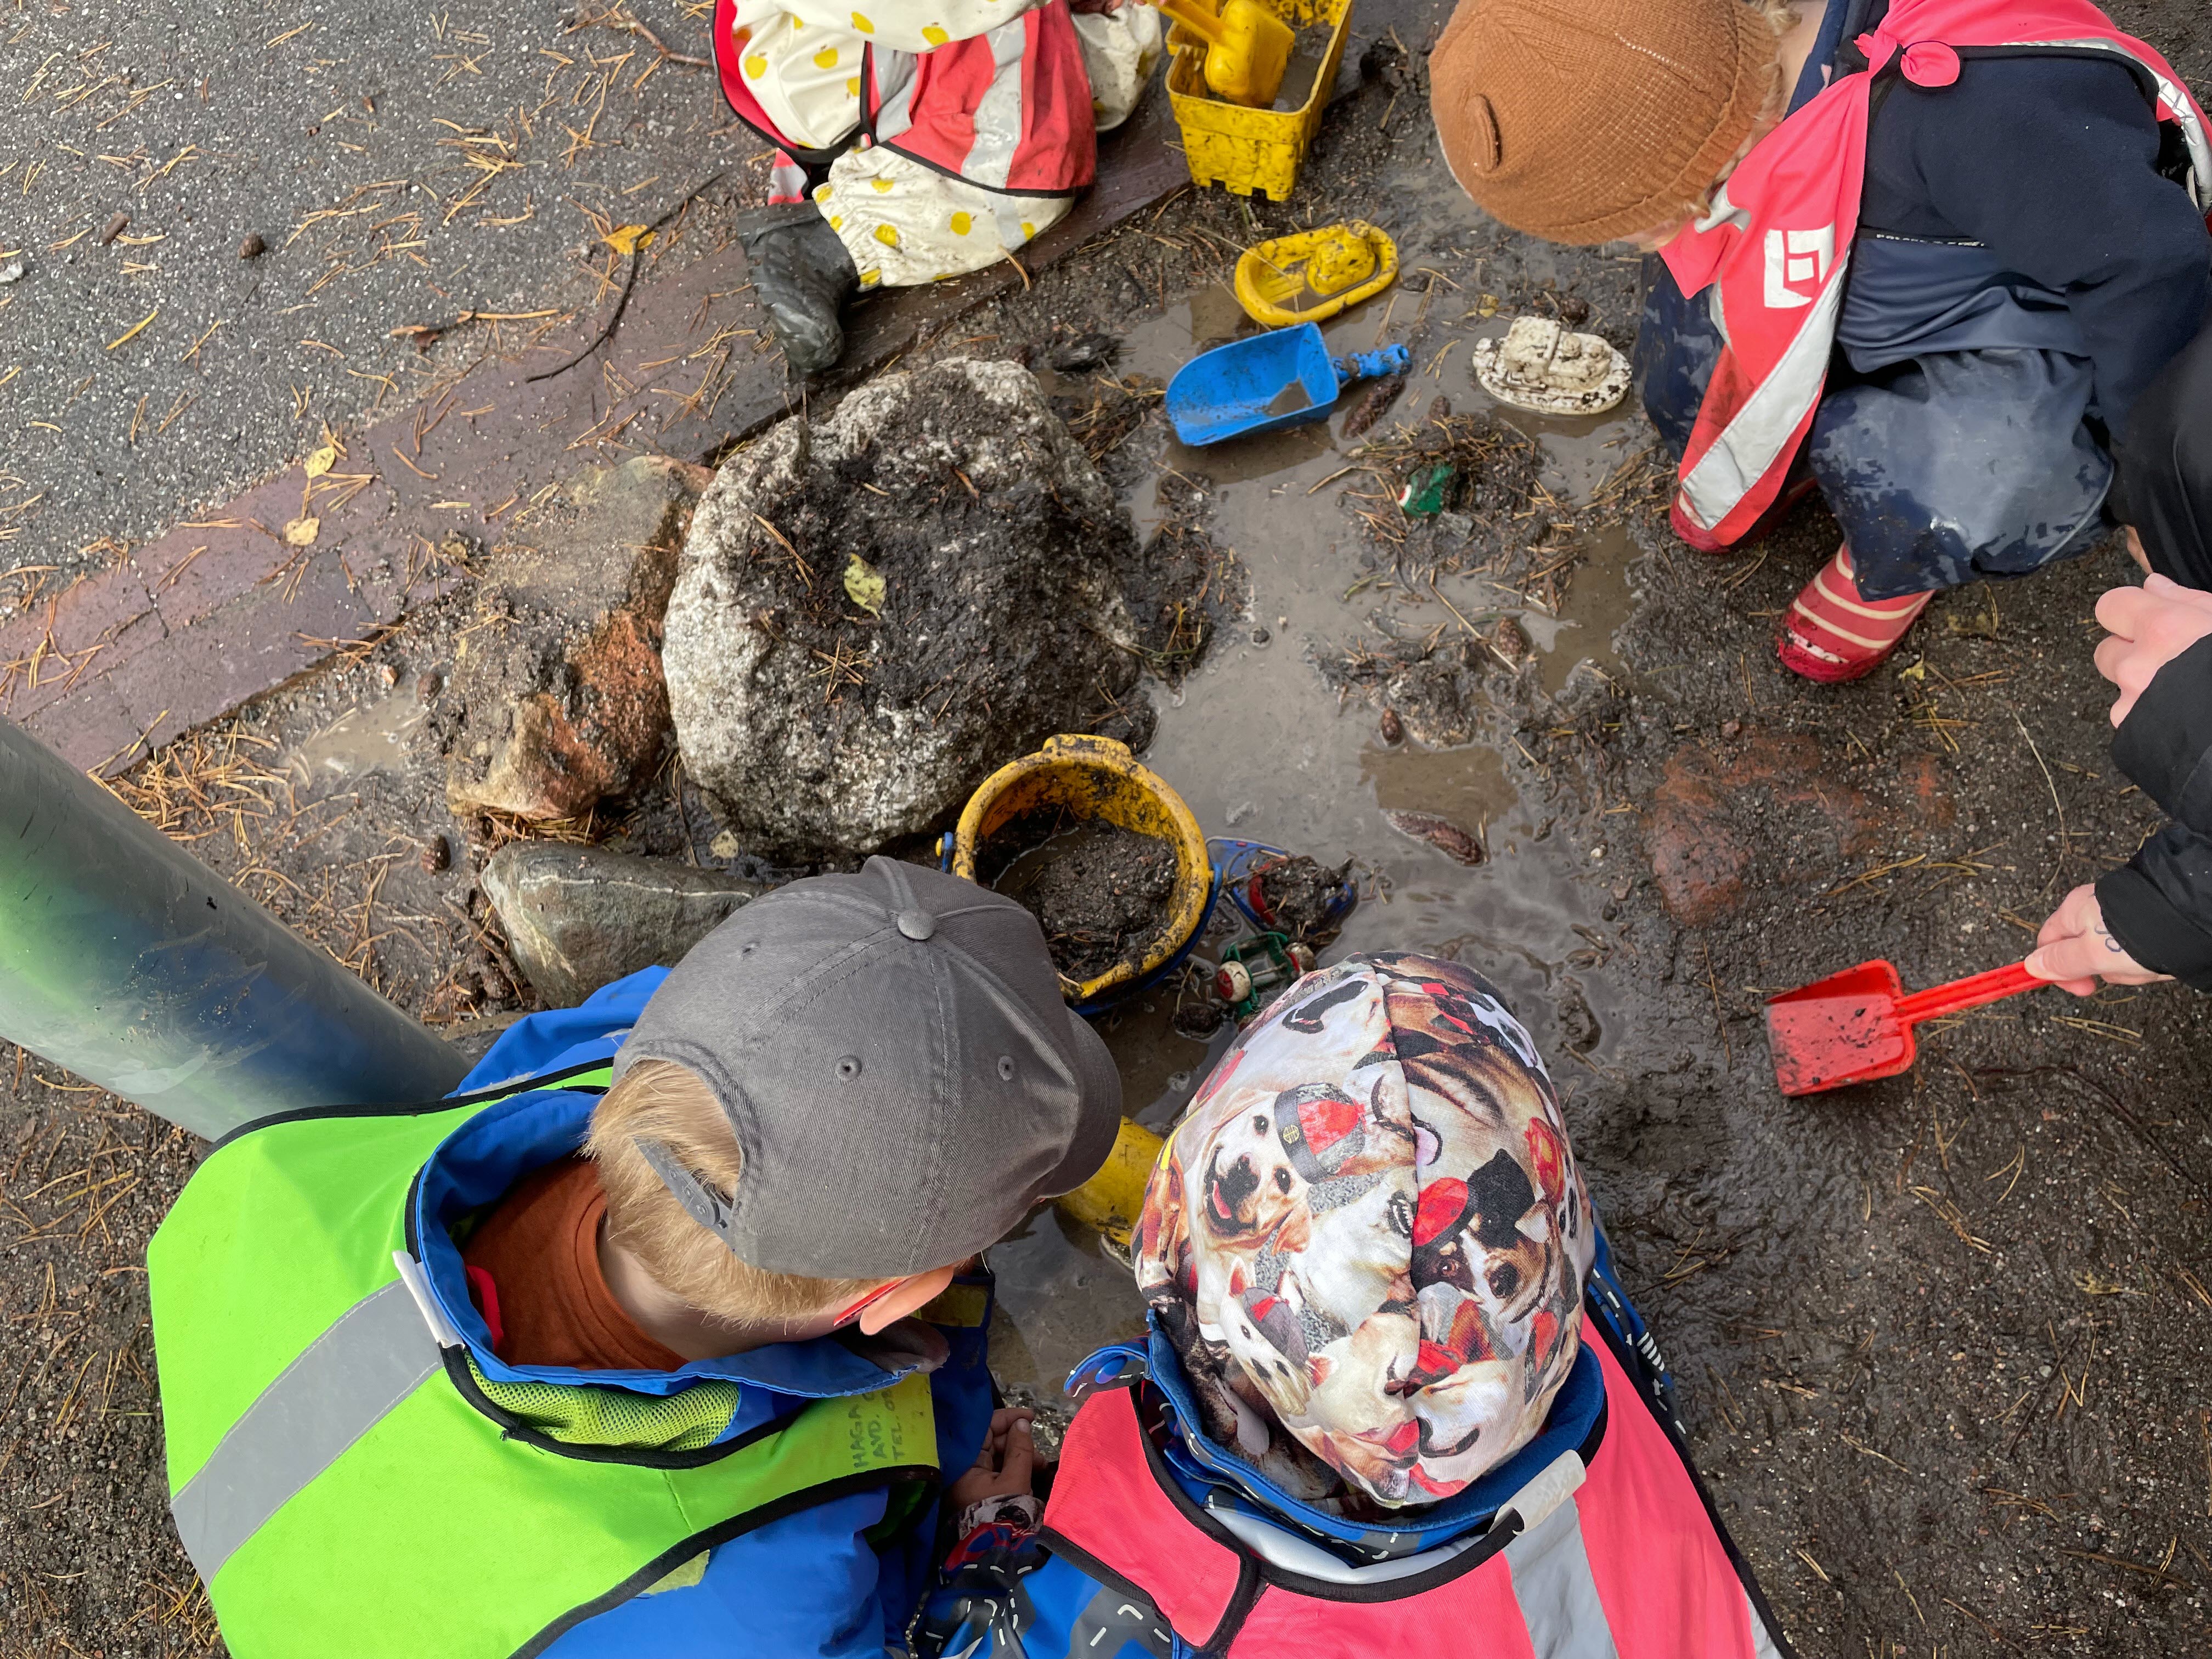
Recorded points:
(893, 1055)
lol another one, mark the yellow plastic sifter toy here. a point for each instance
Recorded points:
(1312, 276)
(1249, 149)
(1248, 48)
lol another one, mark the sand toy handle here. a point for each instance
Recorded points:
(1195, 18)
(1961, 994)
(1372, 365)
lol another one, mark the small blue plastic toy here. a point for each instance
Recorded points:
(1268, 383)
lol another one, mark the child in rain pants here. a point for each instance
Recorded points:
(1923, 254)
(916, 139)
(654, 1339)
(1391, 1401)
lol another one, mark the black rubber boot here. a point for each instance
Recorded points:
(802, 276)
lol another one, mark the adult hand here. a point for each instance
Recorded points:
(2150, 626)
(2073, 951)
(1003, 1467)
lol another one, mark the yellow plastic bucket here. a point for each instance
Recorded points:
(1097, 778)
(1246, 150)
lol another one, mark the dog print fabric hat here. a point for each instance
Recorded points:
(1367, 1237)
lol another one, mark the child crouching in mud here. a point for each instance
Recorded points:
(1923, 254)
(1390, 1400)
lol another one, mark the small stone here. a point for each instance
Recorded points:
(1458, 525)
(1731, 729)
(1261, 636)
(1440, 408)
(725, 846)
(1508, 640)
(428, 687)
(253, 247)
(387, 675)
(1394, 729)
(1573, 312)
(563, 705)
(436, 856)
(12, 272)
(115, 227)
(581, 917)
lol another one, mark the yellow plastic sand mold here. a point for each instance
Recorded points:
(1312, 276)
(1252, 150)
(1088, 777)
(1247, 48)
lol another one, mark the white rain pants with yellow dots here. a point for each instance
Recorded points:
(810, 67)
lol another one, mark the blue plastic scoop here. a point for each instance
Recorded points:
(1267, 383)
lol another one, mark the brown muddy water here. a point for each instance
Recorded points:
(1256, 743)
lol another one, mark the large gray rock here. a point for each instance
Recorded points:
(581, 917)
(556, 701)
(816, 727)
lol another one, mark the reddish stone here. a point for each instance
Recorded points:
(1711, 815)
(558, 703)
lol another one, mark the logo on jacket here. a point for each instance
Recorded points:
(1797, 263)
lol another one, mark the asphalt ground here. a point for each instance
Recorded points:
(403, 166)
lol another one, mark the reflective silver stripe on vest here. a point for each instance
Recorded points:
(1759, 432)
(369, 1360)
(1558, 1598)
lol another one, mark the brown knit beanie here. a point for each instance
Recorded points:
(1586, 120)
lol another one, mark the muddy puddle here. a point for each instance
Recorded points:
(1256, 743)
(369, 738)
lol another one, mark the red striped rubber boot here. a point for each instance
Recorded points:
(1833, 633)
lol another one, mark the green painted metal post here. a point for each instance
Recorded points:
(126, 960)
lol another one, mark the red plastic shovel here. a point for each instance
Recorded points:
(1855, 1026)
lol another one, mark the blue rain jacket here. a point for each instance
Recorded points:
(808, 1584)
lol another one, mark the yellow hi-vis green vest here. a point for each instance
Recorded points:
(345, 1483)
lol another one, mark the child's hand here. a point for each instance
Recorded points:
(2074, 951)
(2150, 626)
(1003, 1466)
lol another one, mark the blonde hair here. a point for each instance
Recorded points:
(659, 1100)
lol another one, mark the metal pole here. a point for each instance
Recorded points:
(126, 960)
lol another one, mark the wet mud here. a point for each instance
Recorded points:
(1100, 891)
(1298, 898)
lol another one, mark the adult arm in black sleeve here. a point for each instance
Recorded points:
(2052, 162)
(2164, 486)
(2158, 904)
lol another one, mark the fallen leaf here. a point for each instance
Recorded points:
(322, 460)
(1447, 837)
(627, 239)
(865, 584)
(302, 532)
(1918, 672)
